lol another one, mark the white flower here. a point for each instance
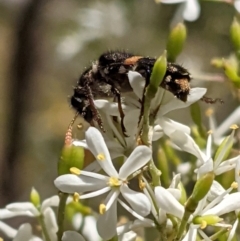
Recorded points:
(28, 209)
(72, 236)
(186, 143)
(189, 10)
(115, 183)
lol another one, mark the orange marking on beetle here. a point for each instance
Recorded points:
(132, 60)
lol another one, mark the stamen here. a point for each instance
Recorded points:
(234, 185)
(101, 157)
(210, 132)
(234, 127)
(114, 182)
(102, 208)
(203, 224)
(76, 197)
(75, 171)
(209, 112)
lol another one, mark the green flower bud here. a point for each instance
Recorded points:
(35, 198)
(158, 72)
(217, 62)
(71, 156)
(225, 147)
(235, 34)
(175, 41)
(232, 73)
(183, 197)
(202, 187)
(208, 219)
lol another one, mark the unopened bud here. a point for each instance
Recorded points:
(35, 198)
(235, 34)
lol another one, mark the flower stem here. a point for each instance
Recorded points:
(61, 214)
(44, 229)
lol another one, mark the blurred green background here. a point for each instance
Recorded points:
(45, 45)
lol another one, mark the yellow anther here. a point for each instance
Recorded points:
(234, 185)
(114, 182)
(76, 197)
(209, 112)
(80, 126)
(142, 184)
(102, 208)
(234, 127)
(203, 224)
(210, 132)
(101, 157)
(75, 171)
(1, 239)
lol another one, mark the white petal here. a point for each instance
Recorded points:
(233, 230)
(72, 236)
(227, 205)
(192, 10)
(168, 203)
(111, 108)
(70, 183)
(140, 156)
(90, 230)
(106, 223)
(81, 143)
(137, 83)
(24, 233)
(237, 173)
(157, 132)
(191, 234)
(7, 230)
(169, 126)
(186, 143)
(194, 95)
(216, 190)
(50, 202)
(4, 213)
(138, 201)
(51, 223)
(129, 236)
(97, 146)
(23, 206)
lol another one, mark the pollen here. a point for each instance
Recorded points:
(76, 197)
(203, 224)
(102, 208)
(210, 132)
(101, 157)
(80, 126)
(209, 112)
(234, 185)
(75, 171)
(114, 182)
(142, 184)
(234, 127)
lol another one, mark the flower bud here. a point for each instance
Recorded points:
(71, 156)
(202, 187)
(158, 72)
(235, 34)
(175, 41)
(209, 219)
(231, 72)
(217, 62)
(35, 198)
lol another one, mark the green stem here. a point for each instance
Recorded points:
(44, 229)
(61, 214)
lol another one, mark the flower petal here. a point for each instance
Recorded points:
(72, 236)
(186, 143)
(191, 11)
(23, 206)
(194, 95)
(137, 82)
(227, 205)
(138, 201)
(70, 183)
(140, 156)
(7, 230)
(51, 223)
(24, 232)
(98, 147)
(168, 203)
(107, 223)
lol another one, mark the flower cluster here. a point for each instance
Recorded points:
(130, 166)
